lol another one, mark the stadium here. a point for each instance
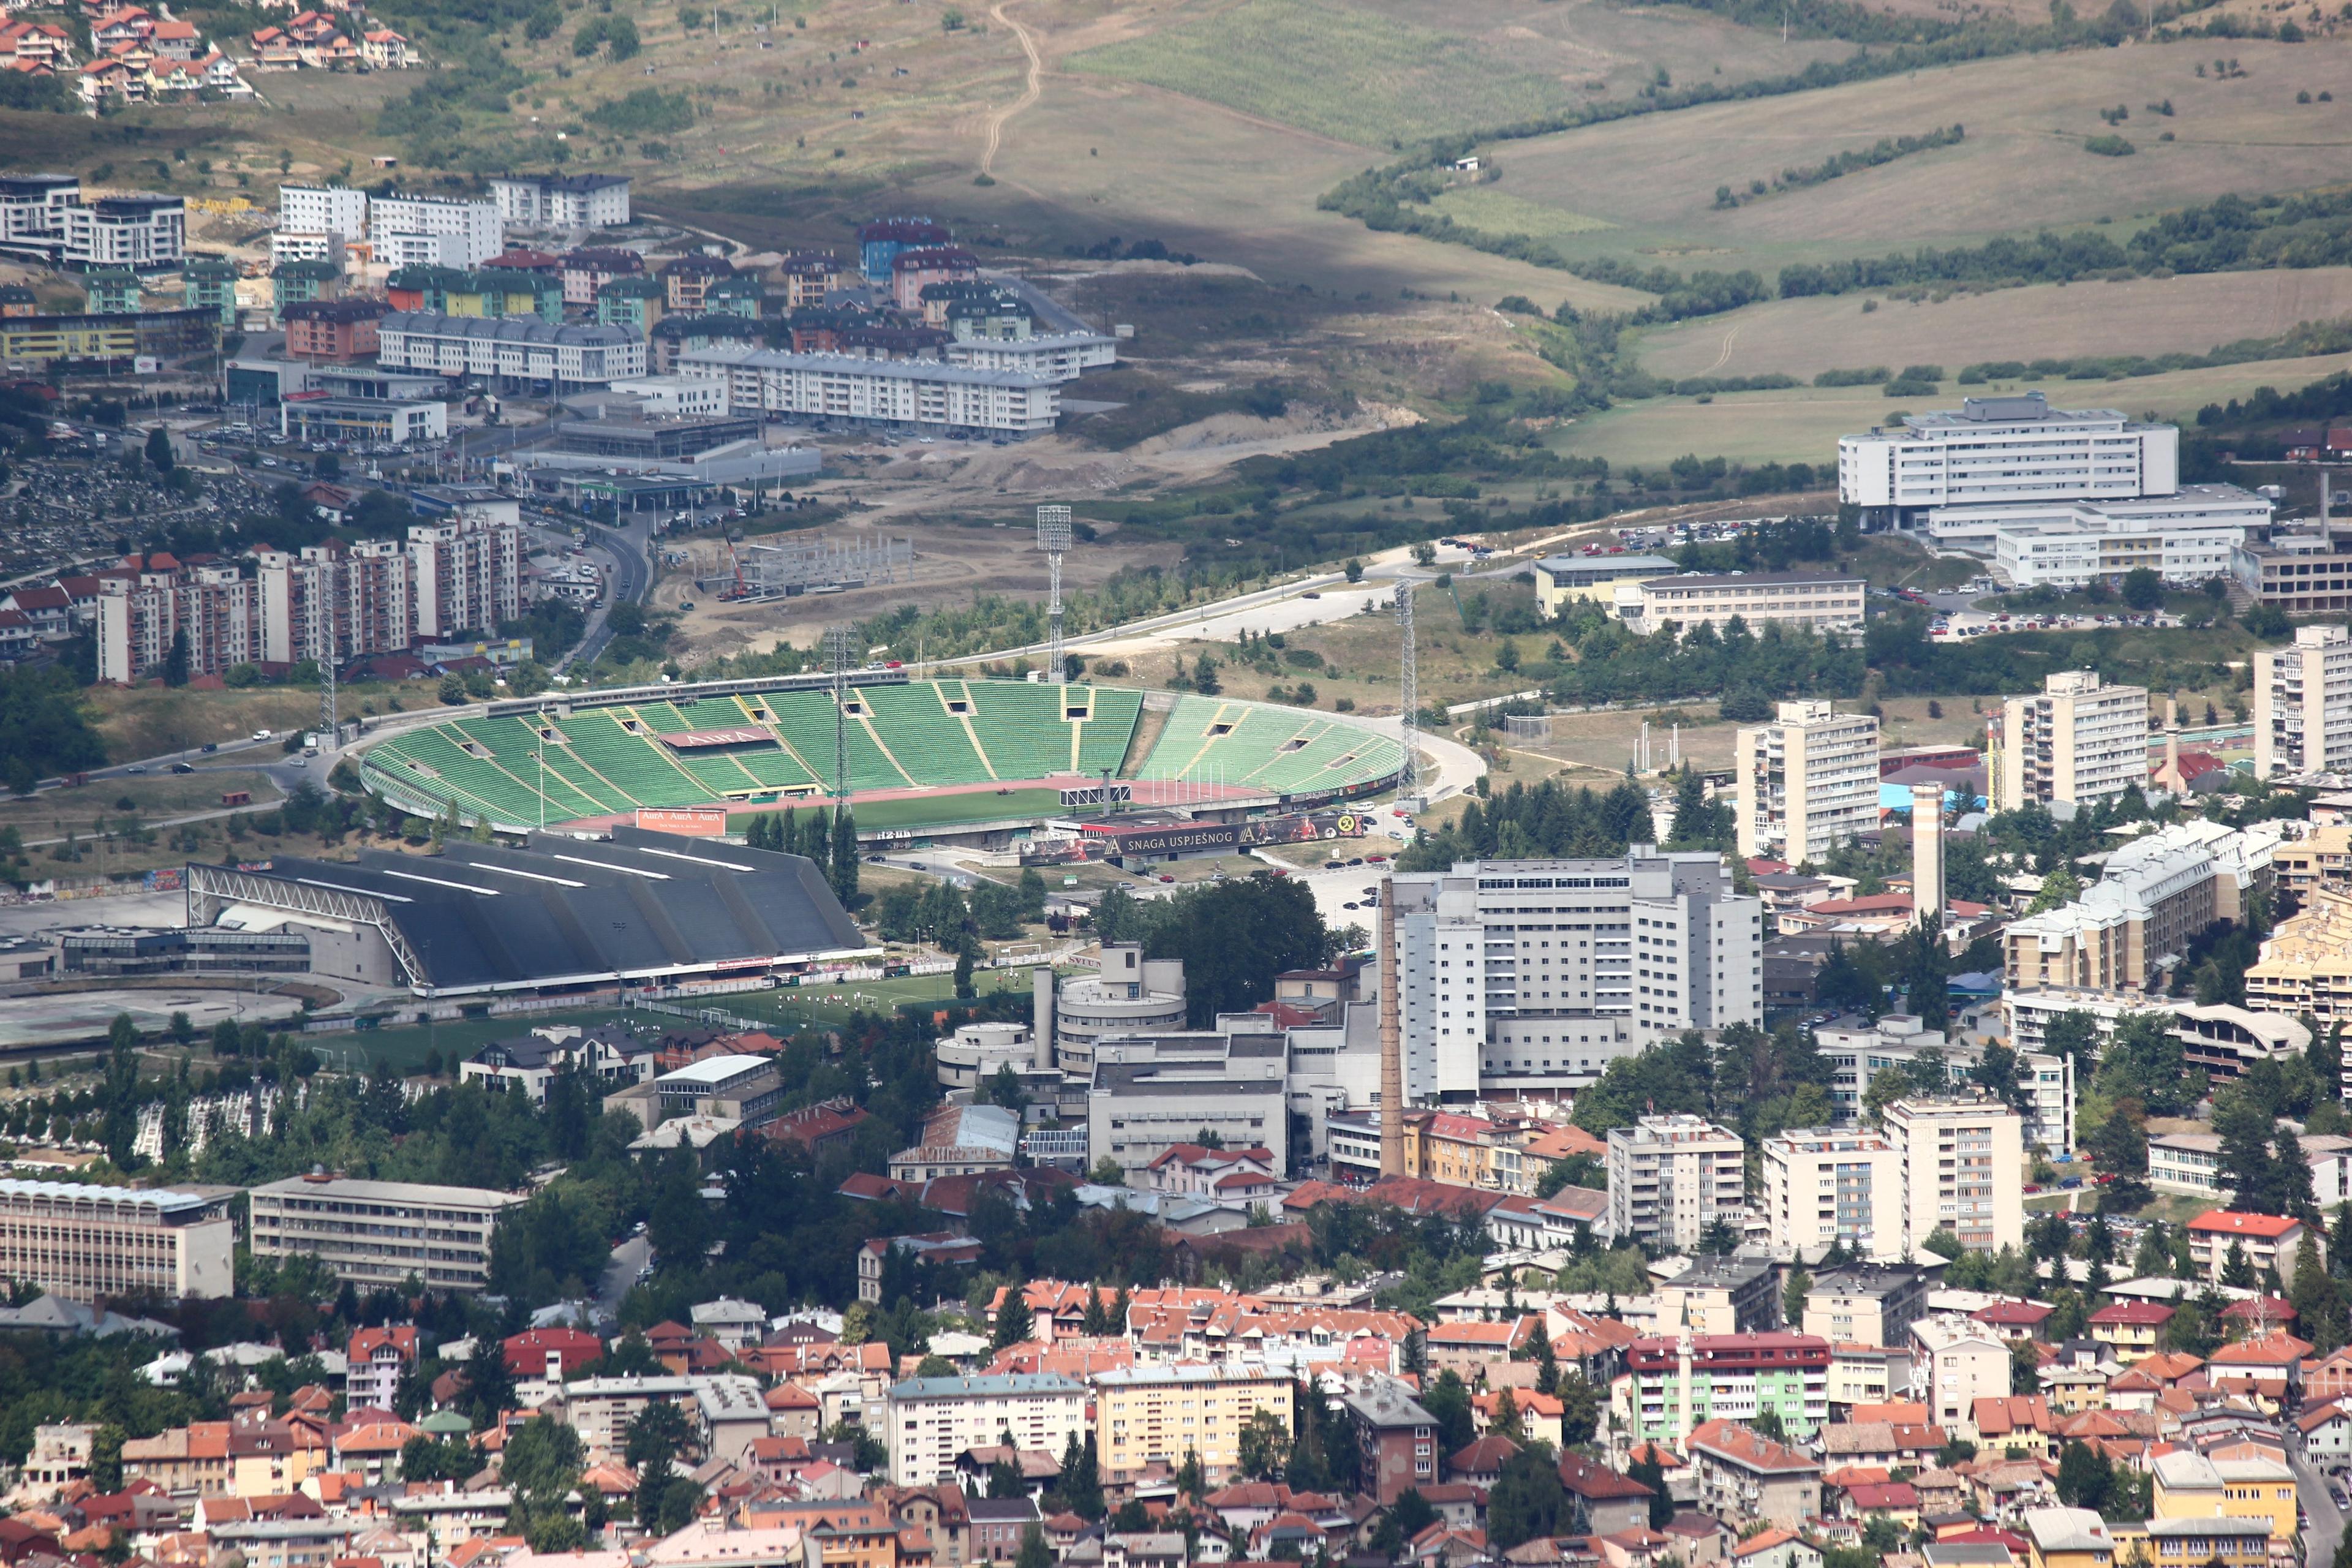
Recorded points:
(976, 761)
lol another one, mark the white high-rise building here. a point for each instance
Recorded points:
(1496, 953)
(467, 579)
(1824, 1186)
(2079, 741)
(2303, 704)
(143, 233)
(437, 231)
(33, 206)
(2005, 449)
(1962, 1168)
(562, 200)
(323, 209)
(1807, 781)
(1670, 1178)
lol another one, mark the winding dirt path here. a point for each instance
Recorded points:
(1029, 95)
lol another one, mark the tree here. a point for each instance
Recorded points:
(1647, 1469)
(2074, 1034)
(1527, 1502)
(1506, 1423)
(2060, 887)
(1014, 1322)
(1580, 1417)
(843, 873)
(1547, 1360)
(2143, 589)
(1792, 1297)
(2237, 1270)
(2024, 1368)
(1191, 1480)
(159, 450)
(964, 988)
(2318, 1302)
(1081, 1482)
(175, 662)
(1035, 1553)
(2085, 1478)
(1263, 1446)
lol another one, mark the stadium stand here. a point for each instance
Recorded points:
(1217, 740)
(606, 760)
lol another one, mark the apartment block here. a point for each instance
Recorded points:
(2268, 1241)
(88, 1243)
(434, 231)
(1806, 782)
(33, 206)
(381, 1233)
(2306, 963)
(2079, 741)
(1866, 1304)
(912, 392)
(2303, 704)
(928, 1421)
(2014, 450)
(2156, 895)
(1962, 1170)
(1680, 1384)
(466, 578)
(1821, 601)
(1537, 972)
(144, 233)
(1669, 1177)
(143, 611)
(2189, 537)
(323, 209)
(562, 200)
(1145, 1413)
(1825, 1186)
(1963, 1360)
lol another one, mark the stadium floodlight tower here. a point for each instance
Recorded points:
(837, 642)
(1054, 539)
(1408, 695)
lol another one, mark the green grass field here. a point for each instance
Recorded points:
(1339, 72)
(817, 1006)
(1804, 424)
(406, 1047)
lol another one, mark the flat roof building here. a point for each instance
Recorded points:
(2303, 704)
(915, 393)
(2078, 740)
(2014, 450)
(1805, 783)
(381, 1233)
(85, 1243)
(931, 1420)
(1821, 601)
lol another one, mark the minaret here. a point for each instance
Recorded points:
(1391, 1041)
(1927, 851)
(2172, 744)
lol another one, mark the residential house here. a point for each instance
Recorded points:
(1744, 1475)
(377, 1359)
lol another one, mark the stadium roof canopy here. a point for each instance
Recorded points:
(561, 913)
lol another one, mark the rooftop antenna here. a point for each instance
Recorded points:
(1054, 539)
(1408, 695)
(836, 642)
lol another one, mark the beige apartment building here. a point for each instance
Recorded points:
(2306, 963)
(1824, 1185)
(2303, 704)
(2078, 740)
(2302, 866)
(1806, 782)
(379, 1232)
(1669, 1177)
(2158, 893)
(1821, 601)
(82, 1243)
(1163, 1413)
(1962, 1170)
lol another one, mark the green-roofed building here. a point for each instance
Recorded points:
(113, 291)
(208, 283)
(300, 282)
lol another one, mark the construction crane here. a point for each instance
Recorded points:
(742, 590)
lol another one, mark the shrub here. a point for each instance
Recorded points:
(2109, 146)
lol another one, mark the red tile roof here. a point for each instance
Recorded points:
(2231, 1221)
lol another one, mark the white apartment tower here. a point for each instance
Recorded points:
(1807, 781)
(562, 200)
(143, 233)
(1962, 1168)
(434, 231)
(1824, 1186)
(323, 209)
(337, 601)
(2005, 449)
(1607, 955)
(2080, 740)
(140, 618)
(2303, 704)
(1669, 1177)
(466, 579)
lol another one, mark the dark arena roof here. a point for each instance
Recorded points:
(561, 912)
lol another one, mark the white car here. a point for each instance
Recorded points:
(261, 734)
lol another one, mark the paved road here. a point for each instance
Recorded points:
(621, 1271)
(632, 575)
(2319, 1543)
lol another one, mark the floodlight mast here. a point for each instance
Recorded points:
(1408, 692)
(1053, 534)
(837, 641)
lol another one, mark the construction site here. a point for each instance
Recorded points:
(797, 566)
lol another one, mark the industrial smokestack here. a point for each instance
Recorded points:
(1041, 1018)
(1927, 851)
(1391, 1041)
